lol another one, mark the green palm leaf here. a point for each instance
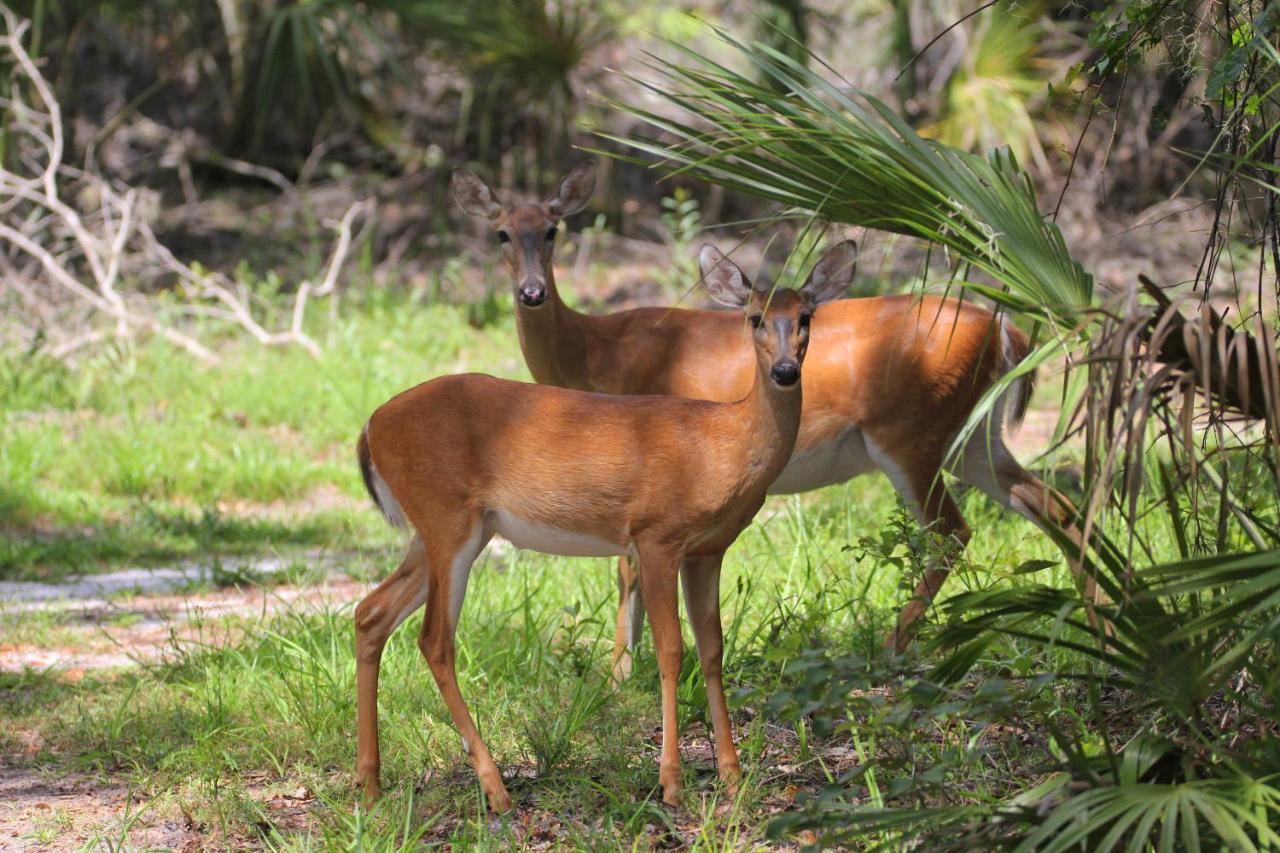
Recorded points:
(1239, 596)
(790, 135)
(1170, 817)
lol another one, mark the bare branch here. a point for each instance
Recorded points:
(79, 237)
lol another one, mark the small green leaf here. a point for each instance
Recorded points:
(1030, 566)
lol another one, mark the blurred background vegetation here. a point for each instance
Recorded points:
(347, 99)
(1044, 156)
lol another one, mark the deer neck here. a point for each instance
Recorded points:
(770, 421)
(551, 338)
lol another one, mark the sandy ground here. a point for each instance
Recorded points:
(118, 620)
(104, 633)
(58, 810)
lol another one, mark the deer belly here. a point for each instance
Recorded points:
(834, 461)
(546, 539)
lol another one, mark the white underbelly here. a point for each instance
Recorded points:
(836, 461)
(549, 540)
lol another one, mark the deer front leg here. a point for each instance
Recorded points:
(630, 619)
(701, 579)
(452, 567)
(659, 567)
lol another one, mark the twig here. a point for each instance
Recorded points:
(935, 39)
(342, 246)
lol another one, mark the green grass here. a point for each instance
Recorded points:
(145, 456)
(533, 661)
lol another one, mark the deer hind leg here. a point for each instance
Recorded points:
(990, 467)
(659, 567)
(630, 625)
(376, 617)
(919, 480)
(701, 580)
(451, 567)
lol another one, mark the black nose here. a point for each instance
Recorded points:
(533, 295)
(786, 373)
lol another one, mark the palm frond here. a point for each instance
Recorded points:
(1239, 600)
(842, 155)
(1197, 815)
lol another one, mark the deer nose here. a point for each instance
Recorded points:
(533, 294)
(785, 373)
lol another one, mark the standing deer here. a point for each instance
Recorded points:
(892, 381)
(668, 481)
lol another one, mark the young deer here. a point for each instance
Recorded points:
(892, 381)
(669, 481)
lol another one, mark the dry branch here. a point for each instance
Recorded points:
(71, 240)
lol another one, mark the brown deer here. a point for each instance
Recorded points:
(668, 481)
(892, 381)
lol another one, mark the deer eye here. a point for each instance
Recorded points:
(504, 237)
(804, 320)
(551, 233)
(755, 319)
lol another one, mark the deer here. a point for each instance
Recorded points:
(892, 382)
(668, 481)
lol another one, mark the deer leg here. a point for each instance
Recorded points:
(659, 566)
(376, 617)
(630, 623)
(997, 473)
(451, 569)
(701, 580)
(919, 481)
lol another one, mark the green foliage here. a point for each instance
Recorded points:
(520, 57)
(1235, 813)
(1129, 728)
(1126, 34)
(528, 46)
(682, 220)
(987, 101)
(681, 217)
(845, 157)
(304, 61)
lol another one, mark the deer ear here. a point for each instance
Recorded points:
(725, 280)
(473, 195)
(831, 277)
(575, 190)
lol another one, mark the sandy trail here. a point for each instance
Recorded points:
(119, 620)
(134, 616)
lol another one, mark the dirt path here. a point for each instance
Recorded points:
(134, 616)
(119, 620)
(56, 809)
